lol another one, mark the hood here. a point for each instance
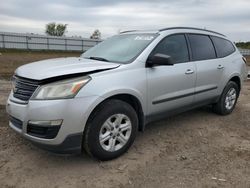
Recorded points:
(61, 66)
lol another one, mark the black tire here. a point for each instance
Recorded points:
(93, 127)
(220, 106)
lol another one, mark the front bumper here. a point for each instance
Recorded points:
(71, 145)
(74, 113)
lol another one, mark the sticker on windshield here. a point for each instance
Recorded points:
(144, 37)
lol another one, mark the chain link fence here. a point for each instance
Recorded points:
(42, 42)
(244, 51)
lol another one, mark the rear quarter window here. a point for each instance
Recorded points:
(202, 47)
(223, 47)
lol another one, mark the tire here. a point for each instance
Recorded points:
(113, 119)
(222, 107)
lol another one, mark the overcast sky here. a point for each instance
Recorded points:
(230, 17)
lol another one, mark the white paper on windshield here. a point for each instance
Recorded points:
(144, 37)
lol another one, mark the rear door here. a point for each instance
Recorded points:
(209, 68)
(171, 87)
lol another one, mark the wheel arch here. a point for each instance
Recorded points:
(129, 98)
(236, 79)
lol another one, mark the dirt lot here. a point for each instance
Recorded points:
(193, 149)
(248, 60)
(11, 59)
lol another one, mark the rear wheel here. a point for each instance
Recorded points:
(111, 130)
(228, 99)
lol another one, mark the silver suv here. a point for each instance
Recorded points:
(98, 101)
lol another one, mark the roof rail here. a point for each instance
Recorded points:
(127, 31)
(194, 28)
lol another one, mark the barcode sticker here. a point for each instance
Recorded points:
(144, 37)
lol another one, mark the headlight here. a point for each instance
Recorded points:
(61, 90)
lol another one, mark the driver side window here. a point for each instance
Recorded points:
(174, 46)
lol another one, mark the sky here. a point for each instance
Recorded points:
(230, 17)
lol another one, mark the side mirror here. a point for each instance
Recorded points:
(159, 59)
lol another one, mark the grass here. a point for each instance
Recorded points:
(11, 59)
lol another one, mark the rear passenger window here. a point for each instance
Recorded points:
(223, 47)
(202, 47)
(174, 46)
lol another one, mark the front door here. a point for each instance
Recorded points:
(171, 86)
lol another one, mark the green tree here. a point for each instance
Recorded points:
(245, 45)
(96, 34)
(54, 29)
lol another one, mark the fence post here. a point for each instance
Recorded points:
(82, 46)
(66, 44)
(3, 41)
(27, 44)
(47, 38)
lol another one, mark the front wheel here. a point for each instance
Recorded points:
(111, 130)
(228, 99)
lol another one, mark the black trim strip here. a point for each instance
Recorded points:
(71, 145)
(184, 95)
(205, 90)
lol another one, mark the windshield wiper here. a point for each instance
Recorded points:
(99, 58)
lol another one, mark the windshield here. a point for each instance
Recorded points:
(120, 48)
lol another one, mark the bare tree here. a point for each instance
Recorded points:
(96, 34)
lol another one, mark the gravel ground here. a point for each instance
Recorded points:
(193, 149)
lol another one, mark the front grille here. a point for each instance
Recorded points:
(16, 122)
(24, 88)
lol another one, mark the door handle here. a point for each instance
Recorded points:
(220, 67)
(189, 71)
